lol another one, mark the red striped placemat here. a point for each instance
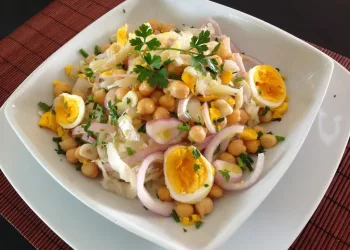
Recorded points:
(29, 45)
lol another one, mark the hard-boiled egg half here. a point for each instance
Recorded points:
(189, 176)
(267, 85)
(69, 109)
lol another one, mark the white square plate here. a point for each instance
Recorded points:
(308, 72)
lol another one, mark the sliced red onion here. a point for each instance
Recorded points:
(78, 130)
(224, 144)
(110, 96)
(226, 133)
(141, 155)
(87, 138)
(216, 26)
(163, 208)
(250, 61)
(182, 112)
(206, 116)
(250, 180)
(163, 131)
(239, 62)
(219, 178)
(204, 144)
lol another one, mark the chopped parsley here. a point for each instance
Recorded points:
(278, 69)
(217, 150)
(78, 166)
(175, 216)
(225, 173)
(280, 138)
(44, 107)
(184, 127)
(261, 149)
(199, 224)
(145, 207)
(220, 120)
(124, 11)
(142, 129)
(246, 160)
(120, 65)
(196, 154)
(270, 133)
(206, 185)
(130, 151)
(59, 150)
(65, 105)
(83, 53)
(89, 72)
(128, 100)
(260, 134)
(277, 119)
(113, 113)
(90, 99)
(196, 167)
(173, 114)
(185, 230)
(238, 79)
(97, 50)
(264, 112)
(168, 61)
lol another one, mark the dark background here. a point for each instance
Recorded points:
(324, 23)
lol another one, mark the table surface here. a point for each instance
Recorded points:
(312, 20)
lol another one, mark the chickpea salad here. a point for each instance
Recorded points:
(169, 115)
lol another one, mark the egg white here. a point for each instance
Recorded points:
(81, 108)
(255, 94)
(200, 193)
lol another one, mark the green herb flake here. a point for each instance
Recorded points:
(278, 69)
(196, 167)
(196, 154)
(260, 134)
(53, 111)
(225, 173)
(220, 120)
(264, 112)
(145, 207)
(280, 138)
(78, 166)
(83, 53)
(206, 185)
(120, 65)
(175, 216)
(277, 119)
(44, 107)
(238, 79)
(124, 11)
(130, 151)
(261, 149)
(173, 114)
(128, 100)
(199, 224)
(97, 50)
(247, 161)
(167, 61)
(270, 133)
(89, 73)
(217, 150)
(59, 150)
(184, 127)
(142, 129)
(185, 230)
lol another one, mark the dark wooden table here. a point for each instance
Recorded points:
(320, 22)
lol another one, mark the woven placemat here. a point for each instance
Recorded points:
(29, 45)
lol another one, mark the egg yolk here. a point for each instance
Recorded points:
(122, 35)
(232, 168)
(214, 114)
(48, 120)
(269, 83)
(185, 174)
(189, 80)
(67, 110)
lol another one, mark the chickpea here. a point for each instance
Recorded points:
(90, 58)
(146, 107)
(70, 155)
(268, 141)
(244, 117)
(234, 117)
(139, 96)
(78, 156)
(205, 206)
(197, 134)
(179, 89)
(166, 27)
(68, 144)
(146, 89)
(174, 69)
(121, 92)
(227, 157)
(161, 113)
(267, 117)
(104, 47)
(155, 96)
(164, 194)
(236, 147)
(156, 32)
(252, 146)
(61, 87)
(184, 210)
(259, 129)
(215, 192)
(99, 96)
(168, 102)
(90, 170)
